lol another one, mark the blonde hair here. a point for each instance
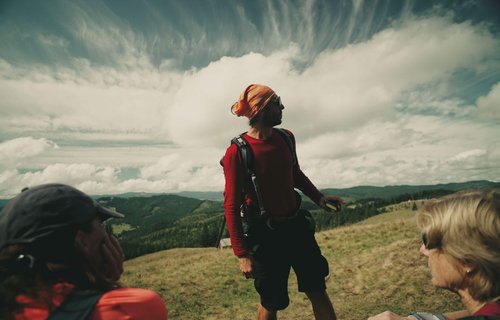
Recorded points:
(467, 227)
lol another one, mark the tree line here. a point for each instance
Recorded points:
(202, 229)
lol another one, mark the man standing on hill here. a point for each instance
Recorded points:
(269, 233)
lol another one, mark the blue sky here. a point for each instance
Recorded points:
(118, 96)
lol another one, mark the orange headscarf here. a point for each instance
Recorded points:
(252, 100)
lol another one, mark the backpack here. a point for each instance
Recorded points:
(247, 157)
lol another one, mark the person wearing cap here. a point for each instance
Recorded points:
(461, 239)
(269, 245)
(57, 260)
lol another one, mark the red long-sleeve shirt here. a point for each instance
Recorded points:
(277, 177)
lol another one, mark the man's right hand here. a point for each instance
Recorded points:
(246, 266)
(331, 203)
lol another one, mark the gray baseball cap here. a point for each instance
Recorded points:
(44, 211)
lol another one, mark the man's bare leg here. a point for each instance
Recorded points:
(264, 314)
(322, 306)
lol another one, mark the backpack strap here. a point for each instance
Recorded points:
(78, 306)
(288, 139)
(248, 159)
(245, 152)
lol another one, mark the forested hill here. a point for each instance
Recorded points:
(159, 222)
(365, 192)
(418, 191)
(158, 210)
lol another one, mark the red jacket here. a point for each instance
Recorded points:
(121, 303)
(277, 178)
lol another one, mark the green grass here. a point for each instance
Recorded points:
(389, 217)
(374, 266)
(119, 228)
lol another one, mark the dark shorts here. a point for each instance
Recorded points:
(290, 245)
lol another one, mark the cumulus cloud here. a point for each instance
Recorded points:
(174, 175)
(12, 152)
(343, 88)
(200, 112)
(429, 150)
(382, 110)
(489, 105)
(74, 174)
(88, 100)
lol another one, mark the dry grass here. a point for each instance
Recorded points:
(374, 266)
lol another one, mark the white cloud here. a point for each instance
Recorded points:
(489, 105)
(356, 112)
(89, 101)
(172, 173)
(342, 89)
(410, 150)
(12, 152)
(201, 110)
(468, 155)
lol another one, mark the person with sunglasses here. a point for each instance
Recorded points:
(57, 261)
(269, 233)
(461, 239)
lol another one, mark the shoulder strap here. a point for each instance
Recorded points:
(286, 136)
(248, 159)
(245, 152)
(78, 306)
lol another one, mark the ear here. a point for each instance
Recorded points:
(81, 239)
(468, 268)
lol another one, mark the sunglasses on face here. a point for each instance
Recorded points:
(429, 245)
(277, 100)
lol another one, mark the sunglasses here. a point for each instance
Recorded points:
(429, 245)
(276, 99)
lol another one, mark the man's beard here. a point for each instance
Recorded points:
(272, 121)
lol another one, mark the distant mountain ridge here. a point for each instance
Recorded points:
(386, 192)
(356, 193)
(156, 222)
(364, 192)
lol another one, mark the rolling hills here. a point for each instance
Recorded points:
(155, 222)
(159, 222)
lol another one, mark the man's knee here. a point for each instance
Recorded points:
(266, 314)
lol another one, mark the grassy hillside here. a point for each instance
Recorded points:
(374, 266)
